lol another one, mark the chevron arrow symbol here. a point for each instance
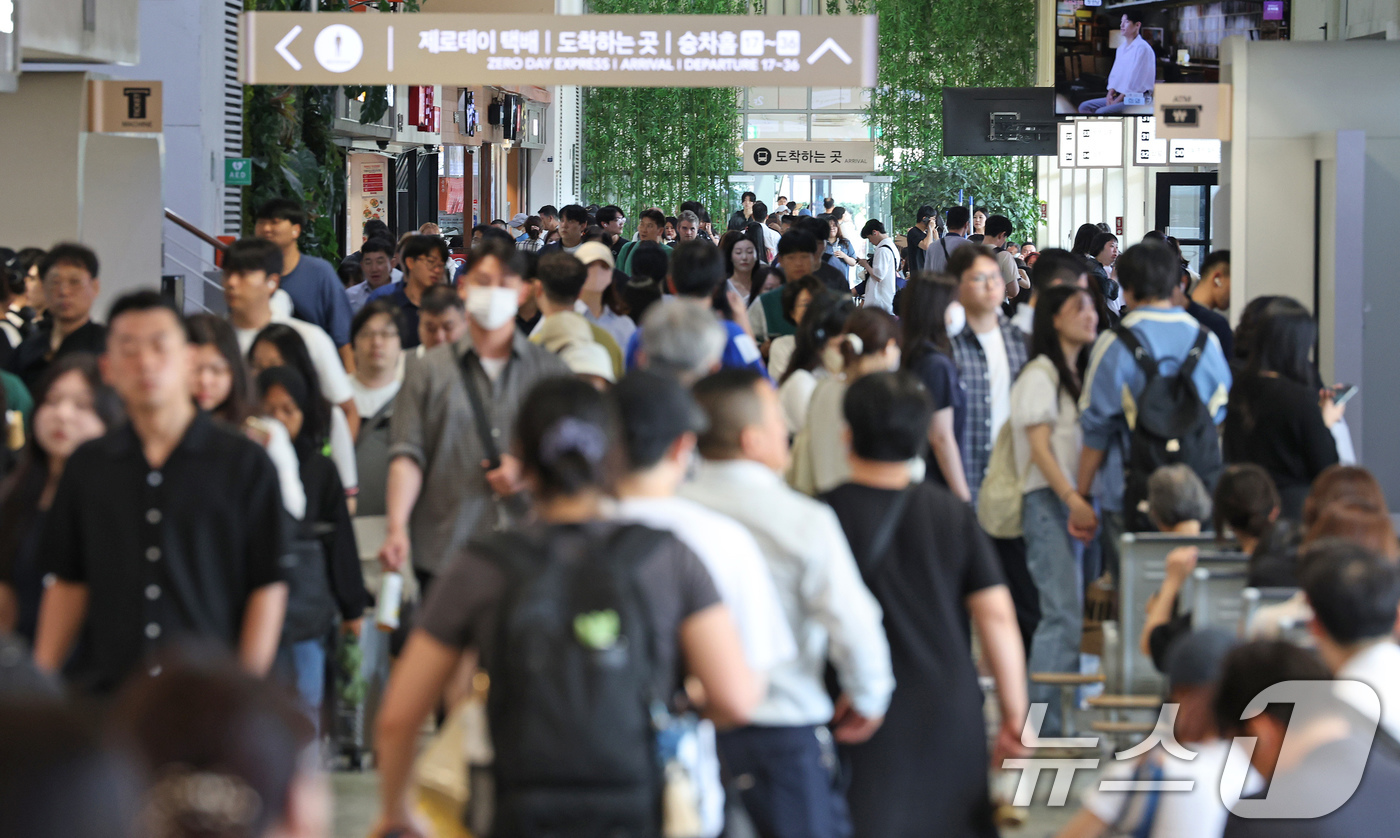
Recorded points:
(829, 45)
(291, 59)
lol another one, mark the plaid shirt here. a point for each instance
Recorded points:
(974, 378)
(529, 244)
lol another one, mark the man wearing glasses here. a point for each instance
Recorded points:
(424, 258)
(989, 353)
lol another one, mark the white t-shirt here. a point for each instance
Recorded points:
(879, 288)
(795, 395)
(370, 400)
(1037, 400)
(1198, 812)
(770, 238)
(343, 449)
(335, 383)
(779, 354)
(1134, 68)
(998, 377)
(284, 459)
(737, 565)
(493, 367)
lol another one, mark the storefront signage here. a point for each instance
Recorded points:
(124, 107)
(1192, 111)
(593, 50)
(1091, 144)
(1149, 150)
(808, 156)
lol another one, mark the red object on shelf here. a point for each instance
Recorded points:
(420, 106)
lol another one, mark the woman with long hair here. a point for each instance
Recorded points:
(1047, 441)
(567, 437)
(1277, 417)
(868, 342)
(929, 315)
(745, 266)
(71, 406)
(815, 356)
(1083, 239)
(279, 345)
(327, 578)
(223, 387)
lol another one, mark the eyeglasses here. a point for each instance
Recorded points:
(984, 278)
(381, 334)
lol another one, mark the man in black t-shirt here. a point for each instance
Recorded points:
(914, 255)
(169, 528)
(69, 274)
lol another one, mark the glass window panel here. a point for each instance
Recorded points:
(763, 97)
(839, 126)
(834, 98)
(792, 98)
(777, 126)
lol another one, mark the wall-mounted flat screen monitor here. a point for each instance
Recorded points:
(998, 121)
(1110, 56)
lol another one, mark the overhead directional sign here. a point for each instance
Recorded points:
(593, 50)
(809, 156)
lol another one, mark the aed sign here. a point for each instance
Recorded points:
(543, 50)
(238, 171)
(808, 156)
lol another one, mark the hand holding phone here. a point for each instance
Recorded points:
(1342, 393)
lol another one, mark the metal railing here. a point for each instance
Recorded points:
(200, 270)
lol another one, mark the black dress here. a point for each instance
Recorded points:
(925, 771)
(1277, 424)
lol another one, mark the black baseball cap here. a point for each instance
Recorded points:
(655, 410)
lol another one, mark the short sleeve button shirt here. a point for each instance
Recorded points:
(165, 553)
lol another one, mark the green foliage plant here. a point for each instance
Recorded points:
(288, 132)
(647, 146)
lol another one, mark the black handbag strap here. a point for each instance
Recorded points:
(480, 417)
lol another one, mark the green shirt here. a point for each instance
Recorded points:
(17, 395)
(624, 256)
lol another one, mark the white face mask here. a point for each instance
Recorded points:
(492, 307)
(955, 318)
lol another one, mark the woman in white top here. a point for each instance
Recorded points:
(1047, 439)
(816, 354)
(868, 343)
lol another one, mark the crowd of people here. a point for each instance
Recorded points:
(740, 526)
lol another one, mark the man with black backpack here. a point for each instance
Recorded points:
(1155, 390)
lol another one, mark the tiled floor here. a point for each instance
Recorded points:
(357, 805)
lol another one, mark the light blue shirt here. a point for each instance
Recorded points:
(1114, 380)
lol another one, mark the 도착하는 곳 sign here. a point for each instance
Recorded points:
(809, 156)
(592, 50)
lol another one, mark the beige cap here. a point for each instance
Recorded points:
(590, 252)
(588, 359)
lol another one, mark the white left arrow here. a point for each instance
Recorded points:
(829, 45)
(296, 65)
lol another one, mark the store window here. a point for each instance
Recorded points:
(776, 126)
(839, 126)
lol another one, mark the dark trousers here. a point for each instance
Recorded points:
(1024, 594)
(788, 780)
